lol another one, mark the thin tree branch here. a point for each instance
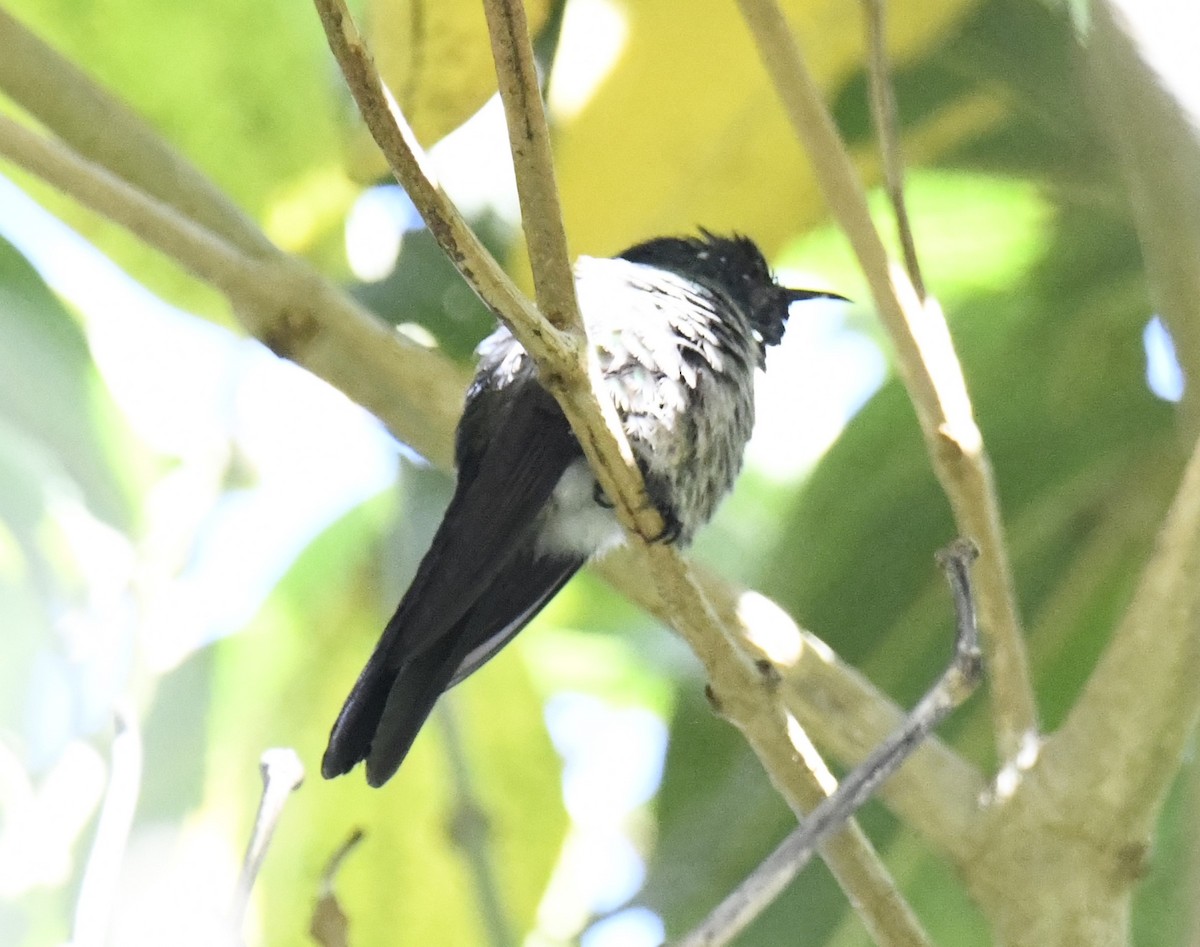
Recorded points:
(931, 372)
(282, 774)
(529, 141)
(883, 111)
(413, 171)
(950, 691)
(1156, 139)
(280, 300)
(936, 793)
(1122, 742)
(1079, 822)
(746, 694)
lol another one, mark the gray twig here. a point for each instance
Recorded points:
(955, 685)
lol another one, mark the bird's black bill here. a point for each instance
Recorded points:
(800, 295)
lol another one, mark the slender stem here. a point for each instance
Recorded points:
(955, 685)
(746, 694)
(282, 774)
(931, 372)
(101, 876)
(1153, 124)
(1124, 737)
(329, 925)
(412, 169)
(936, 793)
(883, 110)
(529, 140)
(1123, 740)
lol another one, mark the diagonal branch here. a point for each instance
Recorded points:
(282, 773)
(931, 372)
(835, 704)
(280, 300)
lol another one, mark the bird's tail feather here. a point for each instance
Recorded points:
(354, 729)
(384, 713)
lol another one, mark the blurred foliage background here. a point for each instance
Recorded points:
(203, 543)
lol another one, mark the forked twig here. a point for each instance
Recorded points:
(955, 685)
(558, 352)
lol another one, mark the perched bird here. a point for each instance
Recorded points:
(679, 325)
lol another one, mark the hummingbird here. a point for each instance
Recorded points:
(679, 325)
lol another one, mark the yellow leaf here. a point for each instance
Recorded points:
(435, 57)
(685, 129)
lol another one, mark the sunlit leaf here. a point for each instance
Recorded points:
(437, 59)
(684, 127)
(51, 396)
(243, 91)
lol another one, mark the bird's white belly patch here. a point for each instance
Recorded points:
(574, 522)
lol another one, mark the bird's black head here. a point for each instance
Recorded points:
(735, 266)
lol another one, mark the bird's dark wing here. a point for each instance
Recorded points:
(513, 447)
(516, 594)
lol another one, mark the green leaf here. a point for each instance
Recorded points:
(283, 681)
(52, 399)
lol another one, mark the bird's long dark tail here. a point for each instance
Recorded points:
(396, 699)
(397, 689)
